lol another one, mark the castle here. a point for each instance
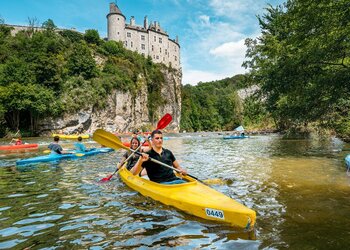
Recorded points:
(148, 40)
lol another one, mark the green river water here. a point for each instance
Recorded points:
(298, 188)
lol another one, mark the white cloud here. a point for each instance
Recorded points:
(214, 40)
(230, 50)
(195, 76)
(204, 19)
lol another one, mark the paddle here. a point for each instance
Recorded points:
(163, 122)
(108, 139)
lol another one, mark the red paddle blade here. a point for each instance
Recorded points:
(166, 119)
(106, 178)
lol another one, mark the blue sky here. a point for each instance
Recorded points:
(211, 32)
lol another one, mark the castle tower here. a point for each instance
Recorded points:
(115, 23)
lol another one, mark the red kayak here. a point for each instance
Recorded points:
(16, 147)
(127, 143)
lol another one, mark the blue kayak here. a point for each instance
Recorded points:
(235, 137)
(57, 157)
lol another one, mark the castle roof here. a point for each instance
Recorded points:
(114, 9)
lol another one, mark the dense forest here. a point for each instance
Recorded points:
(217, 105)
(50, 72)
(300, 64)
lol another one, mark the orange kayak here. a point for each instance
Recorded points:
(16, 147)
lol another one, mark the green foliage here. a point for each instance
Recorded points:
(155, 80)
(302, 61)
(81, 62)
(49, 25)
(112, 48)
(48, 73)
(92, 36)
(212, 106)
(72, 36)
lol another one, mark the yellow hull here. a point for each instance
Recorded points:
(71, 136)
(194, 198)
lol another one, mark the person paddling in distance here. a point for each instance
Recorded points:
(55, 147)
(79, 146)
(156, 172)
(17, 141)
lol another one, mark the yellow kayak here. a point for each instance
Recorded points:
(71, 136)
(194, 198)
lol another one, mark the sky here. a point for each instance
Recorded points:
(211, 32)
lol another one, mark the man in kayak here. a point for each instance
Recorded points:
(79, 146)
(55, 147)
(156, 172)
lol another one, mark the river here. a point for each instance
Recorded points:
(298, 188)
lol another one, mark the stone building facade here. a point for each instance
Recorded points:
(148, 40)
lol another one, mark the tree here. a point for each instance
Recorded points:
(301, 60)
(49, 25)
(81, 62)
(92, 36)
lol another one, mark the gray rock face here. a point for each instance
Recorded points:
(123, 111)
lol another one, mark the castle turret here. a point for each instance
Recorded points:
(115, 23)
(145, 23)
(132, 21)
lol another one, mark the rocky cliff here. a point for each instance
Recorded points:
(124, 111)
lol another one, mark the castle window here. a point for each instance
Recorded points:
(160, 50)
(142, 37)
(157, 57)
(143, 46)
(160, 40)
(166, 51)
(155, 39)
(128, 34)
(175, 58)
(152, 48)
(126, 43)
(131, 45)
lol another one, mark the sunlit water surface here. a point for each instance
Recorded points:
(299, 189)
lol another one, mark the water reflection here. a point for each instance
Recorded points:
(298, 188)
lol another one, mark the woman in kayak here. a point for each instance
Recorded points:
(134, 144)
(156, 172)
